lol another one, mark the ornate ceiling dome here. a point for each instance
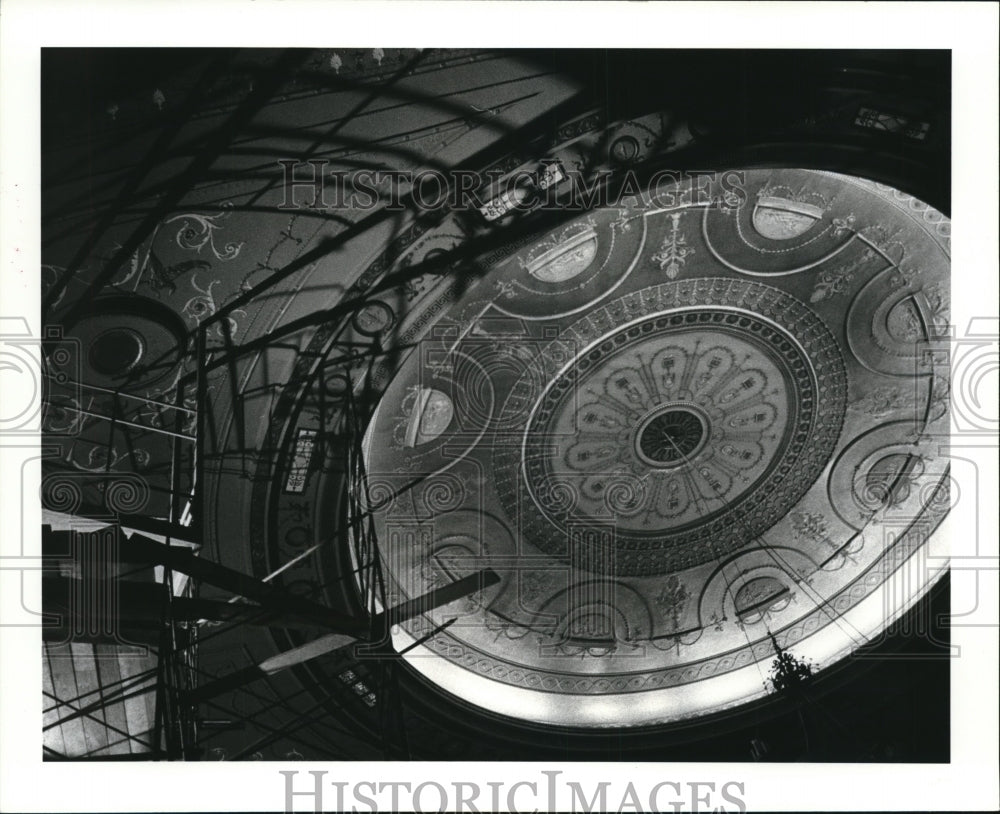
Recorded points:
(672, 432)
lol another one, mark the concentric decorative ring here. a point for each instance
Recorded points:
(717, 417)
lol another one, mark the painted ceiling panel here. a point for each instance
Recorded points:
(673, 432)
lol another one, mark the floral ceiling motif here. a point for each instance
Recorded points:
(743, 388)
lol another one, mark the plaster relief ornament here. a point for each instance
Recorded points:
(759, 596)
(427, 414)
(674, 250)
(781, 214)
(564, 257)
(781, 219)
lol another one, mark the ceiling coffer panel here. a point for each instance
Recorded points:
(673, 432)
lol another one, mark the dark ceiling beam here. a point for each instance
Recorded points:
(271, 598)
(335, 641)
(275, 600)
(147, 606)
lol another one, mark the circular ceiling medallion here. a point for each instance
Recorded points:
(673, 433)
(756, 410)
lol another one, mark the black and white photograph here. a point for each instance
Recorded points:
(580, 423)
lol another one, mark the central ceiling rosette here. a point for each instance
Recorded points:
(689, 430)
